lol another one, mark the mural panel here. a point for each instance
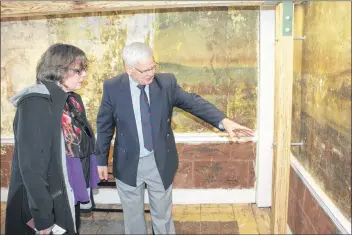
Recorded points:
(212, 51)
(322, 96)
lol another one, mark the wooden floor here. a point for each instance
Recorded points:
(189, 219)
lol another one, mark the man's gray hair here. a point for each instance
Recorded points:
(136, 52)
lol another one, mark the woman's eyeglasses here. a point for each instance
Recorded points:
(78, 71)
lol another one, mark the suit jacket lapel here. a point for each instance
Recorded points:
(125, 101)
(155, 106)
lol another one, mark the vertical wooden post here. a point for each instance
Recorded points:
(282, 118)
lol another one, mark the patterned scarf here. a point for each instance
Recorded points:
(76, 130)
(80, 159)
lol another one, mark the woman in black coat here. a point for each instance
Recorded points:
(53, 168)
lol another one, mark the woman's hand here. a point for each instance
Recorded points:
(103, 172)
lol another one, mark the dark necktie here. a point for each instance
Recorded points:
(145, 118)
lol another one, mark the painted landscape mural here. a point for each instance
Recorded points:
(212, 51)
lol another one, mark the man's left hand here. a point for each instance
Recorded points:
(236, 130)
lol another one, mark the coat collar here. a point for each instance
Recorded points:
(56, 93)
(58, 99)
(156, 101)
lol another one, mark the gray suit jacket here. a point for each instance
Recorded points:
(116, 112)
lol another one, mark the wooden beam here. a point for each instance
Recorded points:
(282, 124)
(41, 8)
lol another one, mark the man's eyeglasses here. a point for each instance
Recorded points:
(145, 72)
(78, 71)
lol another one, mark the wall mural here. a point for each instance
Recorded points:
(212, 51)
(322, 97)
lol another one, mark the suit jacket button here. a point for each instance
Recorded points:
(168, 135)
(121, 134)
(167, 150)
(168, 120)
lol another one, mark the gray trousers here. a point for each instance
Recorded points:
(160, 201)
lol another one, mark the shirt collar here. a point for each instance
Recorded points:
(133, 83)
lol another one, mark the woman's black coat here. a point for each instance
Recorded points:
(37, 186)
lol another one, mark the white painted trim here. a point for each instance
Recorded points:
(179, 196)
(7, 140)
(265, 106)
(196, 138)
(340, 221)
(186, 138)
(4, 193)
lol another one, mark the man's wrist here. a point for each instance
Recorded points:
(221, 125)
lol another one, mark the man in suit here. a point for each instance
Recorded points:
(139, 104)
